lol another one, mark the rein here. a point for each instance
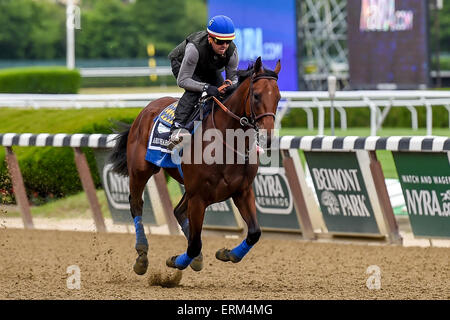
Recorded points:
(244, 120)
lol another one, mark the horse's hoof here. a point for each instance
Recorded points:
(141, 264)
(226, 255)
(171, 263)
(197, 263)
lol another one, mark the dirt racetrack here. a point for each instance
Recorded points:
(33, 265)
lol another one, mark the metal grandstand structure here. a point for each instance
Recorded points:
(322, 36)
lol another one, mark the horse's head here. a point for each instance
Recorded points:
(264, 97)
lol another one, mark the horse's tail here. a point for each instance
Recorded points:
(118, 158)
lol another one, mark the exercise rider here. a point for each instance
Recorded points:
(197, 64)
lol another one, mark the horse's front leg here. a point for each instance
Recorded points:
(245, 202)
(195, 213)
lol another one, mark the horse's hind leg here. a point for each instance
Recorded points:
(180, 213)
(245, 202)
(138, 181)
(195, 212)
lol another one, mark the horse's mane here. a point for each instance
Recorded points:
(243, 74)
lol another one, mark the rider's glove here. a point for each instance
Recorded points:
(211, 90)
(231, 88)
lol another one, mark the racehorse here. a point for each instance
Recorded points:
(251, 106)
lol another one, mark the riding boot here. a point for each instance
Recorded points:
(184, 109)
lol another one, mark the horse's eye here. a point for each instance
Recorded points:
(256, 96)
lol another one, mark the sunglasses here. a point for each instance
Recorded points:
(220, 42)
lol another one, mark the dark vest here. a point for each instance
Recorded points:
(208, 61)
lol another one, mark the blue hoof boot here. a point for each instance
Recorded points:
(170, 262)
(179, 262)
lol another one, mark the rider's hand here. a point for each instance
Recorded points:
(212, 91)
(231, 88)
(224, 86)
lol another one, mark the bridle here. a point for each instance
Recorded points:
(246, 121)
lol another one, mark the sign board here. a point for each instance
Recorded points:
(264, 28)
(425, 181)
(274, 201)
(117, 191)
(220, 216)
(342, 193)
(388, 44)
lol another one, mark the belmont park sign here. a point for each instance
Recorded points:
(344, 181)
(342, 193)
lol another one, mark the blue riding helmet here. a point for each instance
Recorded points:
(221, 27)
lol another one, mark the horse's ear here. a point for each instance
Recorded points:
(277, 67)
(257, 66)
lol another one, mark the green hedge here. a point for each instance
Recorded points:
(50, 172)
(360, 117)
(444, 62)
(40, 80)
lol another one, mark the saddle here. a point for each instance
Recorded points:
(157, 152)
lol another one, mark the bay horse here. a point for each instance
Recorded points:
(251, 106)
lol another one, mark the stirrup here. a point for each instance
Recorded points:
(173, 142)
(175, 138)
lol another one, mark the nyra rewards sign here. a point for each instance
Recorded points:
(117, 191)
(274, 202)
(272, 192)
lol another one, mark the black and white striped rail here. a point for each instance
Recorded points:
(351, 143)
(58, 140)
(322, 143)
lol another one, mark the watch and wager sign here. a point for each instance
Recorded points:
(349, 196)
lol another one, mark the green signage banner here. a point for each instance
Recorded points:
(274, 202)
(342, 192)
(219, 215)
(425, 181)
(117, 191)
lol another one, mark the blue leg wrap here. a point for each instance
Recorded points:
(241, 250)
(140, 233)
(183, 260)
(185, 228)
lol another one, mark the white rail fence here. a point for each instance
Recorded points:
(125, 72)
(379, 103)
